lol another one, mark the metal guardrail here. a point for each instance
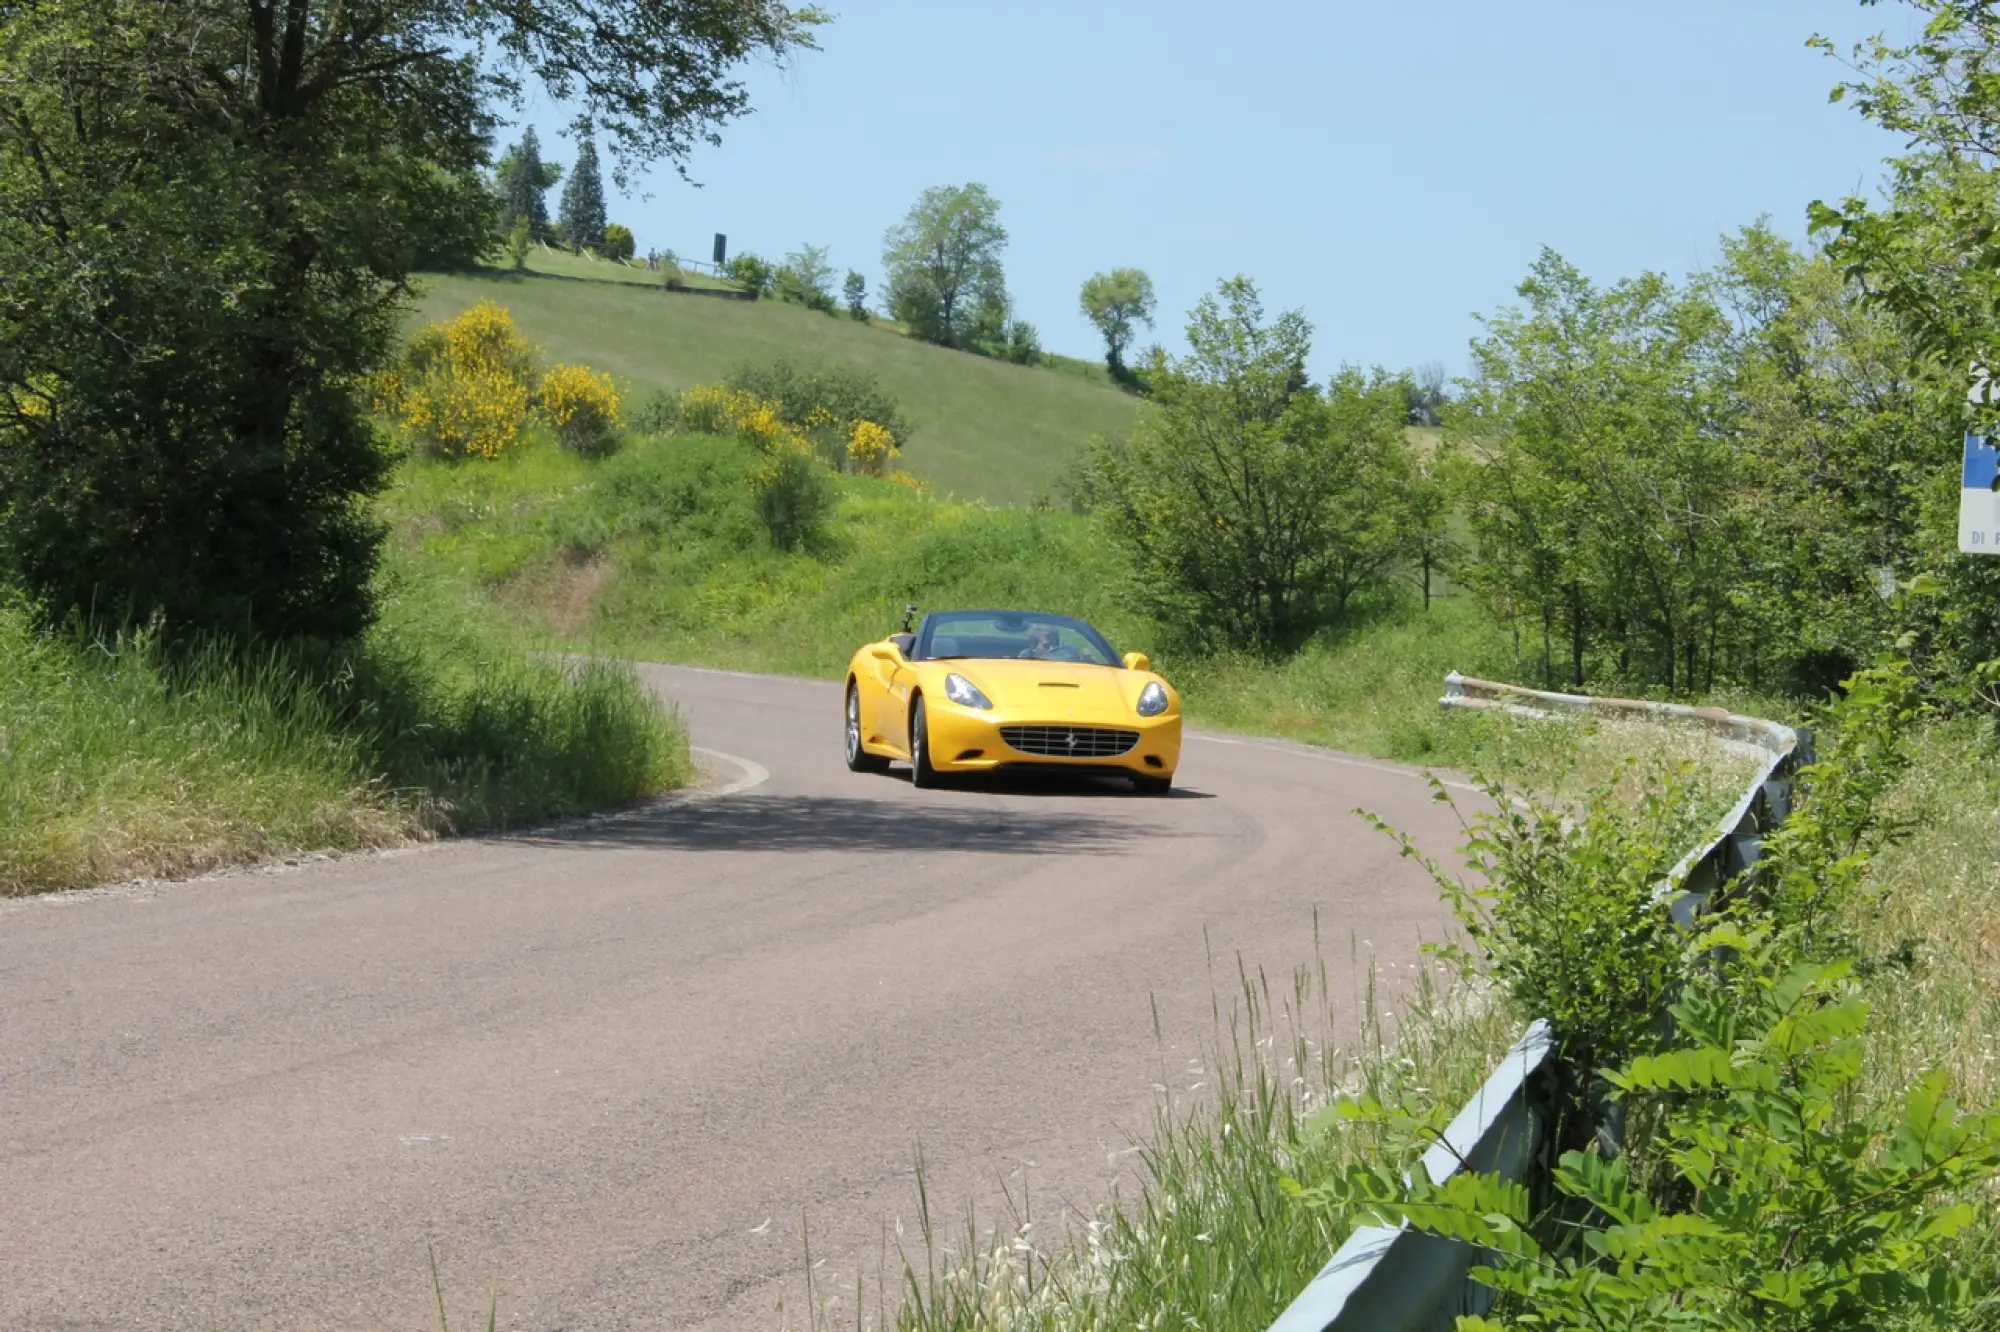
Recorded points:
(1394, 1279)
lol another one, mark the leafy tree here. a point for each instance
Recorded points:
(753, 273)
(618, 242)
(990, 319)
(1024, 344)
(1118, 302)
(943, 262)
(519, 238)
(1843, 432)
(1250, 500)
(1929, 255)
(1931, 252)
(1605, 503)
(855, 292)
(208, 213)
(525, 181)
(806, 278)
(583, 199)
(1431, 484)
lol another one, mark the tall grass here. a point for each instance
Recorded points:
(1202, 1234)
(1930, 928)
(119, 760)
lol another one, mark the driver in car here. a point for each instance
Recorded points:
(1041, 642)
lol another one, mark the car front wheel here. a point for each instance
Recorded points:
(921, 772)
(1152, 786)
(859, 759)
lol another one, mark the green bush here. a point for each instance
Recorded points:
(1561, 911)
(840, 392)
(1779, 1199)
(1024, 344)
(795, 494)
(659, 414)
(618, 242)
(752, 273)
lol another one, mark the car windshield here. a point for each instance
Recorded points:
(995, 634)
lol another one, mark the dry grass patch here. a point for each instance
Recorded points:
(1931, 931)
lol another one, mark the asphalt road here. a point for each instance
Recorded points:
(605, 1072)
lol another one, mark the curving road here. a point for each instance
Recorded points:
(589, 1066)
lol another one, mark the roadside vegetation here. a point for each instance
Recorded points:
(208, 220)
(125, 758)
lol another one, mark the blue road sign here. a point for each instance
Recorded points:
(1979, 498)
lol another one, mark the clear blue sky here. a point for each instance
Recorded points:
(1388, 168)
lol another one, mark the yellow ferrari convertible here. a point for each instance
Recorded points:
(972, 691)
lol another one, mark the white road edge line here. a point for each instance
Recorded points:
(754, 774)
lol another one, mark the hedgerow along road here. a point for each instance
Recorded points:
(605, 1071)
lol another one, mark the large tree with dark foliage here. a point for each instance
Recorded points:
(524, 185)
(583, 199)
(208, 213)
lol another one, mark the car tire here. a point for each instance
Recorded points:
(922, 774)
(859, 759)
(1152, 786)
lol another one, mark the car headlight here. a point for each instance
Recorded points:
(965, 693)
(1153, 700)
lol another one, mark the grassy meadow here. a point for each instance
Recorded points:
(982, 427)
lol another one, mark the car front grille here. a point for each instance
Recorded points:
(1069, 741)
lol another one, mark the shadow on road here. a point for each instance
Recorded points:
(1053, 784)
(840, 823)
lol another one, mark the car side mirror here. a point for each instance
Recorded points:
(885, 652)
(1136, 661)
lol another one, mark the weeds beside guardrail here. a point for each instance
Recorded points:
(1398, 1279)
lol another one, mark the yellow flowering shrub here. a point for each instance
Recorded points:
(472, 411)
(704, 409)
(906, 481)
(464, 387)
(869, 447)
(483, 334)
(856, 444)
(582, 406)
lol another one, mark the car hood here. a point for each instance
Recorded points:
(1062, 690)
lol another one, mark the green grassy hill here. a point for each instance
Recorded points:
(984, 429)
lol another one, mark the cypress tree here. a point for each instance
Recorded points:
(583, 199)
(525, 182)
